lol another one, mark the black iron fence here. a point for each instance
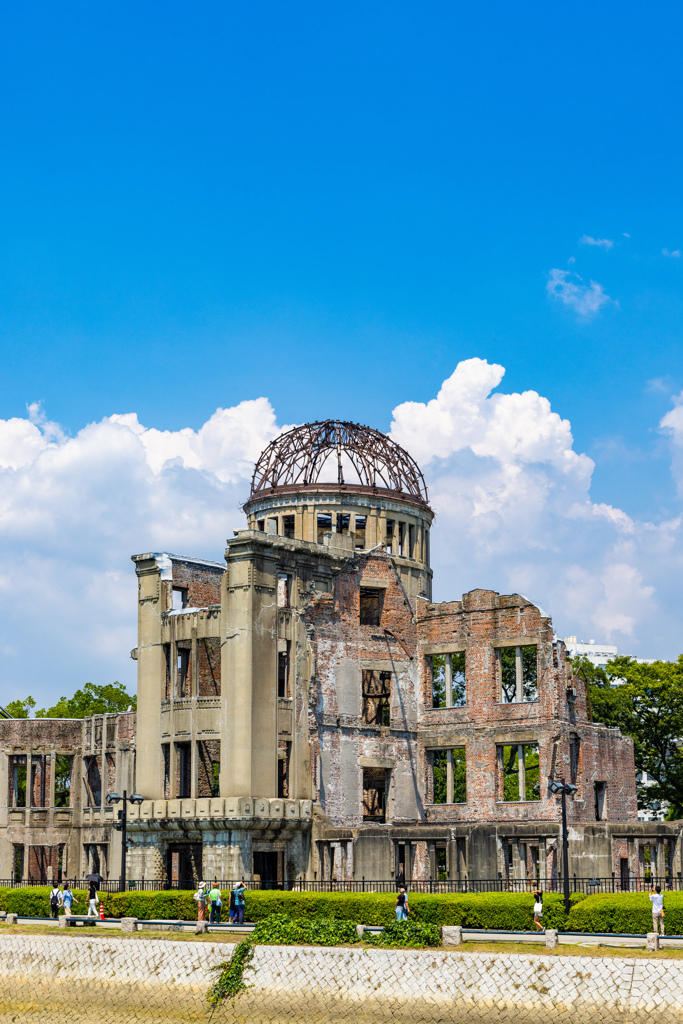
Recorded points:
(612, 884)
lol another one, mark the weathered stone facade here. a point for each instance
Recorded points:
(305, 711)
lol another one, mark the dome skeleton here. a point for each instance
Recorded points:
(297, 458)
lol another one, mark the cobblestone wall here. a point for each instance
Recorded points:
(74, 979)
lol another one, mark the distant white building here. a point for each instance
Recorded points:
(598, 654)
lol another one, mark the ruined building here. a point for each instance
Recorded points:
(306, 712)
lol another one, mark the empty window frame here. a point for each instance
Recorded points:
(283, 757)
(374, 794)
(179, 598)
(518, 673)
(283, 668)
(449, 776)
(288, 526)
(411, 541)
(93, 781)
(376, 697)
(183, 681)
(63, 780)
(448, 680)
(519, 772)
(284, 590)
(574, 757)
(390, 536)
(166, 763)
(361, 522)
(272, 525)
(18, 862)
(324, 525)
(343, 522)
(183, 762)
(261, 525)
(402, 542)
(208, 768)
(370, 606)
(600, 792)
(18, 780)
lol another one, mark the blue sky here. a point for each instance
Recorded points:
(334, 206)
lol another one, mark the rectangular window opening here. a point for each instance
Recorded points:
(360, 532)
(448, 680)
(283, 668)
(288, 526)
(343, 521)
(261, 525)
(63, 780)
(324, 523)
(518, 667)
(271, 526)
(390, 539)
(370, 606)
(600, 789)
(520, 773)
(283, 753)
(411, 541)
(183, 755)
(374, 794)
(284, 590)
(574, 758)
(183, 673)
(402, 539)
(179, 598)
(449, 776)
(376, 697)
(18, 780)
(93, 781)
(18, 862)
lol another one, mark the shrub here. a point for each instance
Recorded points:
(280, 930)
(34, 901)
(629, 913)
(402, 934)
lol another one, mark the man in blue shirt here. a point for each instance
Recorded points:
(239, 903)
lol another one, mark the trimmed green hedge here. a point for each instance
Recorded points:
(629, 913)
(486, 910)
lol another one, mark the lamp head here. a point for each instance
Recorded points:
(113, 798)
(136, 798)
(570, 788)
(555, 787)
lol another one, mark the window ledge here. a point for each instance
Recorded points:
(516, 803)
(451, 707)
(515, 703)
(454, 804)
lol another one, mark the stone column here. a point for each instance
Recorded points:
(153, 574)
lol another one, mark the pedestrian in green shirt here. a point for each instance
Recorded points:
(216, 904)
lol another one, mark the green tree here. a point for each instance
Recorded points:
(646, 703)
(20, 708)
(91, 700)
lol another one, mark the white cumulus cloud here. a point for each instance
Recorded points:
(570, 289)
(601, 243)
(510, 491)
(676, 253)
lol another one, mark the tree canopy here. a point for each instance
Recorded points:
(646, 703)
(91, 700)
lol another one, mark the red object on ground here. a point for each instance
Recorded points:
(101, 911)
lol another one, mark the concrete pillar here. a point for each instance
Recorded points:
(451, 935)
(53, 768)
(652, 942)
(551, 939)
(249, 670)
(151, 671)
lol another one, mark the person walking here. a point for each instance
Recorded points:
(216, 904)
(68, 900)
(402, 908)
(538, 910)
(56, 900)
(239, 903)
(202, 898)
(232, 913)
(92, 900)
(657, 908)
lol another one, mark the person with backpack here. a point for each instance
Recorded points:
(216, 904)
(68, 900)
(538, 909)
(56, 901)
(402, 908)
(239, 903)
(232, 913)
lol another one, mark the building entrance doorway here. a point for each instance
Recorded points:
(184, 865)
(267, 868)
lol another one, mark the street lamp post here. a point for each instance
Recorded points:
(120, 826)
(564, 788)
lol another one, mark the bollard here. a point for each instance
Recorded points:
(12, 918)
(360, 928)
(129, 924)
(62, 921)
(551, 939)
(451, 935)
(653, 941)
(200, 928)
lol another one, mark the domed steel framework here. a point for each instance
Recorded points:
(296, 459)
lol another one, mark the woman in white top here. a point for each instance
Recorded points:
(538, 910)
(657, 908)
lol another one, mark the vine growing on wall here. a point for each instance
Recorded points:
(231, 981)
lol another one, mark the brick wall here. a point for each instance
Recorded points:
(203, 582)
